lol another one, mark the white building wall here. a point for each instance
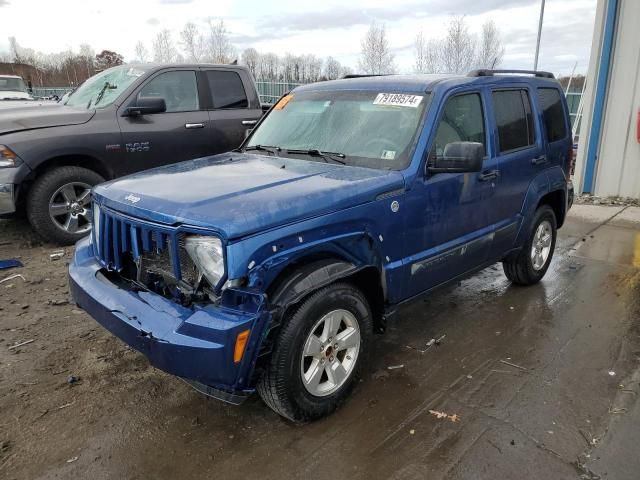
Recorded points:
(618, 164)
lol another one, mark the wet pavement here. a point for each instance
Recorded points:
(543, 382)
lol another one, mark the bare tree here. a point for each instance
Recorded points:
(164, 51)
(376, 57)
(311, 68)
(427, 55)
(87, 58)
(288, 68)
(458, 47)
(251, 58)
(491, 49)
(332, 68)
(14, 50)
(141, 53)
(269, 66)
(218, 46)
(192, 42)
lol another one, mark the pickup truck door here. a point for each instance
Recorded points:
(449, 223)
(233, 108)
(180, 133)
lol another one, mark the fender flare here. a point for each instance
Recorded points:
(538, 188)
(307, 278)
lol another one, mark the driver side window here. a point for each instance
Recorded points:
(179, 90)
(462, 121)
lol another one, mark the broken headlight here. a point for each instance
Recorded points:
(95, 220)
(207, 255)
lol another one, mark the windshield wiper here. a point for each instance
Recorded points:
(326, 156)
(264, 148)
(106, 86)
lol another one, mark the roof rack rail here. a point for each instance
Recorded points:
(363, 75)
(490, 73)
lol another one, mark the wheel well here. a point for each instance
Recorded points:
(367, 279)
(85, 161)
(556, 201)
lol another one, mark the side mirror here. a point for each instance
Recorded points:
(146, 106)
(459, 157)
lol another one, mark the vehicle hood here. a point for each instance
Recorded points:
(240, 194)
(41, 115)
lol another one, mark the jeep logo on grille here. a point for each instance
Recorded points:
(132, 198)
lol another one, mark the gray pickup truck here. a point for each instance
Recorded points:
(122, 120)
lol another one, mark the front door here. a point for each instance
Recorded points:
(180, 133)
(449, 225)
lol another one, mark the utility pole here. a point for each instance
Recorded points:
(535, 62)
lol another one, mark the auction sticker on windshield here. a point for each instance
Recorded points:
(398, 100)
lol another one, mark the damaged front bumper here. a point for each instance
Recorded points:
(196, 344)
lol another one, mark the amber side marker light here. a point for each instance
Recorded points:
(241, 343)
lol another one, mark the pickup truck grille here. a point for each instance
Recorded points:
(136, 248)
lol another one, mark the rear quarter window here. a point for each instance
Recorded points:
(553, 114)
(512, 109)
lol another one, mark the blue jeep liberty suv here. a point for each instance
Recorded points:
(270, 267)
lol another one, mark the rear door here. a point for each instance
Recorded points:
(556, 128)
(521, 155)
(180, 133)
(232, 113)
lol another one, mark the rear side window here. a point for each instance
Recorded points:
(514, 119)
(462, 121)
(553, 114)
(227, 90)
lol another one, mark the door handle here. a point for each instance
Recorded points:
(539, 160)
(249, 122)
(189, 126)
(488, 175)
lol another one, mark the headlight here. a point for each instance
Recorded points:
(8, 157)
(95, 220)
(206, 253)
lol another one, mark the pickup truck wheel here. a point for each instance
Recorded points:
(319, 354)
(533, 260)
(59, 204)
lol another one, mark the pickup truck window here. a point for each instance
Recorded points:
(12, 84)
(553, 114)
(227, 90)
(102, 89)
(179, 90)
(514, 120)
(462, 121)
(371, 129)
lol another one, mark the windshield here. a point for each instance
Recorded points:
(364, 128)
(12, 84)
(103, 89)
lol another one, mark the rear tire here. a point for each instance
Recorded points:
(59, 204)
(319, 355)
(533, 260)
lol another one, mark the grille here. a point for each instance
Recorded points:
(149, 247)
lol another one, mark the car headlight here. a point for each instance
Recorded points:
(8, 158)
(206, 253)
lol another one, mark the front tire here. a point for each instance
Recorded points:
(534, 258)
(59, 204)
(320, 353)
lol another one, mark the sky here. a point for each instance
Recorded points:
(330, 27)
